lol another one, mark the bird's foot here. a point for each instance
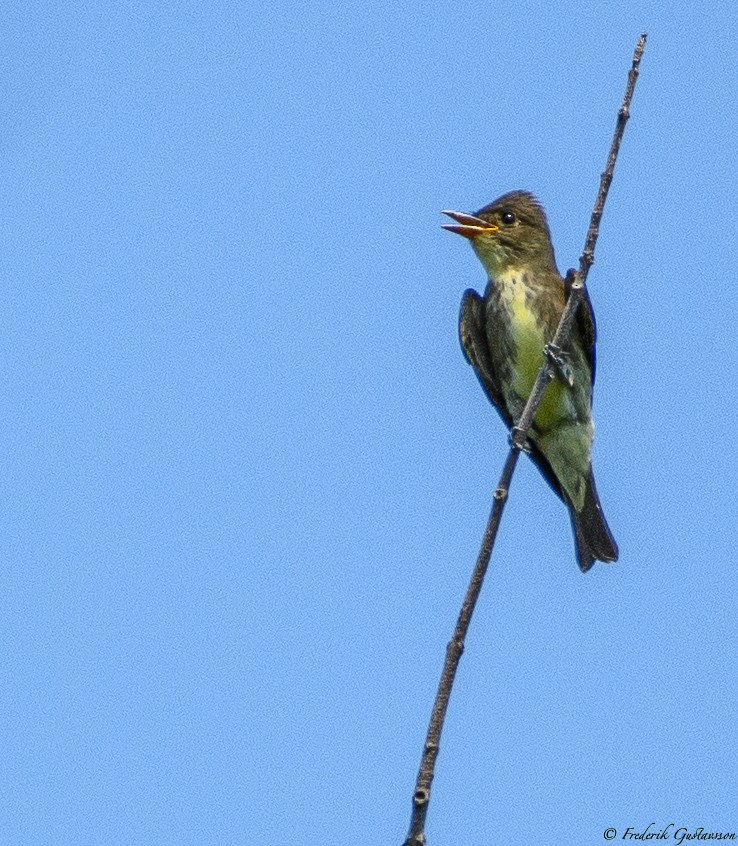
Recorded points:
(517, 440)
(561, 363)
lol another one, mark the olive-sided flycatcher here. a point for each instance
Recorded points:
(503, 335)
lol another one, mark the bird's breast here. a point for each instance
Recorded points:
(527, 329)
(524, 317)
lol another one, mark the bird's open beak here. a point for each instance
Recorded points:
(470, 226)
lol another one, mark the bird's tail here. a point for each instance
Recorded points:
(592, 535)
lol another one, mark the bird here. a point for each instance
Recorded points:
(503, 336)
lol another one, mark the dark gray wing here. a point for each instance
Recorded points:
(585, 327)
(473, 339)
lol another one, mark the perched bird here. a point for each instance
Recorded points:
(503, 335)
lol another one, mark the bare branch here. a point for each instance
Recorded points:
(518, 435)
(587, 258)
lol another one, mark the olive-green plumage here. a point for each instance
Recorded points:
(503, 335)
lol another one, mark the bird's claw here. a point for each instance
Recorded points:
(517, 440)
(560, 361)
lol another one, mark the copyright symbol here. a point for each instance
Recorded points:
(610, 834)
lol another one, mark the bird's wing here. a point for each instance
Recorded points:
(586, 327)
(474, 343)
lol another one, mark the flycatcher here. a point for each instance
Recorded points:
(503, 335)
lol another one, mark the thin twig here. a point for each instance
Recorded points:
(587, 258)
(576, 281)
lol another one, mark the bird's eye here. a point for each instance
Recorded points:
(508, 218)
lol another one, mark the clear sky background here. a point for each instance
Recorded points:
(246, 469)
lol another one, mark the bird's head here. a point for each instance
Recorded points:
(509, 233)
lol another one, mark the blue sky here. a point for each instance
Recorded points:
(247, 469)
